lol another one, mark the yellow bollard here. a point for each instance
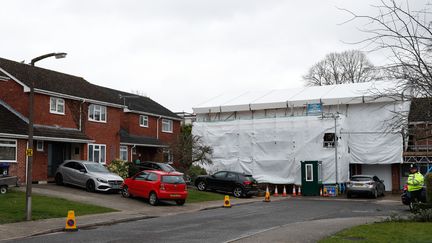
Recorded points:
(71, 222)
(227, 203)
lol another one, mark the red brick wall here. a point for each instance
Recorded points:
(13, 94)
(105, 133)
(42, 114)
(131, 123)
(19, 168)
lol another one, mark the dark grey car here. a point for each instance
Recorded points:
(90, 175)
(365, 185)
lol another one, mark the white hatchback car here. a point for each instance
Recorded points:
(86, 174)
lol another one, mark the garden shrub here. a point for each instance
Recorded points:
(194, 171)
(120, 167)
(428, 183)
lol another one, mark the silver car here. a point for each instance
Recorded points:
(90, 175)
(365, 184)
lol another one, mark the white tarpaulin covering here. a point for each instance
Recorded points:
(271, 148)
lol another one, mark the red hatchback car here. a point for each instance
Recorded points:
(156, 185)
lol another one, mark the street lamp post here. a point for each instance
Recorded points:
(29, 151)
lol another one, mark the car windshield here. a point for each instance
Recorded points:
(361, 178)
(167, 168)
(173, 179)
(96, 167)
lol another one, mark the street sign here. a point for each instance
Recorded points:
(314, 109)
(29, 152)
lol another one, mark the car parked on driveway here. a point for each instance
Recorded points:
(365, 185)
(87, 174)
(156, 185)
(239, 184)
(150, 165)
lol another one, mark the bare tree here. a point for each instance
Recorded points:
(405, 35)
(337, 68)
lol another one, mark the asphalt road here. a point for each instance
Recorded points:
(227, 224)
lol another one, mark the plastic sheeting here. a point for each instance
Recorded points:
(271, 148)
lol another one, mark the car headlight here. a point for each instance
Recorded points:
(102, 180)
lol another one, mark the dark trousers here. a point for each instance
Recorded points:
(416, 195)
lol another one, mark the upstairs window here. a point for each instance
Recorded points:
(97, 113)
(329, 140)
(143, 121)
(167, 155)
(167, 125)
(57, 105)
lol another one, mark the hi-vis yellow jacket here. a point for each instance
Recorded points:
(415, 182)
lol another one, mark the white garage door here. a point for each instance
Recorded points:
(382, 171)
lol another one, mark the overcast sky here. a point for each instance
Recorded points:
(180, 53)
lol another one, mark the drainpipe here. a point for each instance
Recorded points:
(157, 127)
(80, 115)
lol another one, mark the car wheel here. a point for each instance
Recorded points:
(201, 186)
(238, 191)
(153, 200)
(375, 193)
(3, 190)
(180, 202)
(90, 186)
(59, 179)
(125, 192)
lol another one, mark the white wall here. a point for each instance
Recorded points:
(382, 171)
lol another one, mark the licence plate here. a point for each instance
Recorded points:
(175, 195)
(115, 186)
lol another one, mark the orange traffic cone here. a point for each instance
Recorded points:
(294, 191)
(267, 195)
(284, 194)
(325, 192)
(299, 191)
(276, 194)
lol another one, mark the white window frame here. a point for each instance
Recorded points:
(57, 102)
(143, 121)
(10, 146)
(124, 150)
(169, 154)
(97, 147)
(97, 108)
(309, 167)
(40, 146)
(167, 122)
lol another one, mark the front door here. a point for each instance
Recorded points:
(57, 154)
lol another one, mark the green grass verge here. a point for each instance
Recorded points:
(12, 207)
(195, 196)
(385, 232)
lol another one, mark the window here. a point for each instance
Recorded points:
(8, 150)
(141, 176)
(152, 177)
(57, 105)
(220, 175)
(167, 125)
(124, 153)
(309, 172)
(143, 121)
(96, 153)
(97, 113)
(167, 156)
(40, 146)
(329, 140)
(231, 176)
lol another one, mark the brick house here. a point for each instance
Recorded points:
(74, 119)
